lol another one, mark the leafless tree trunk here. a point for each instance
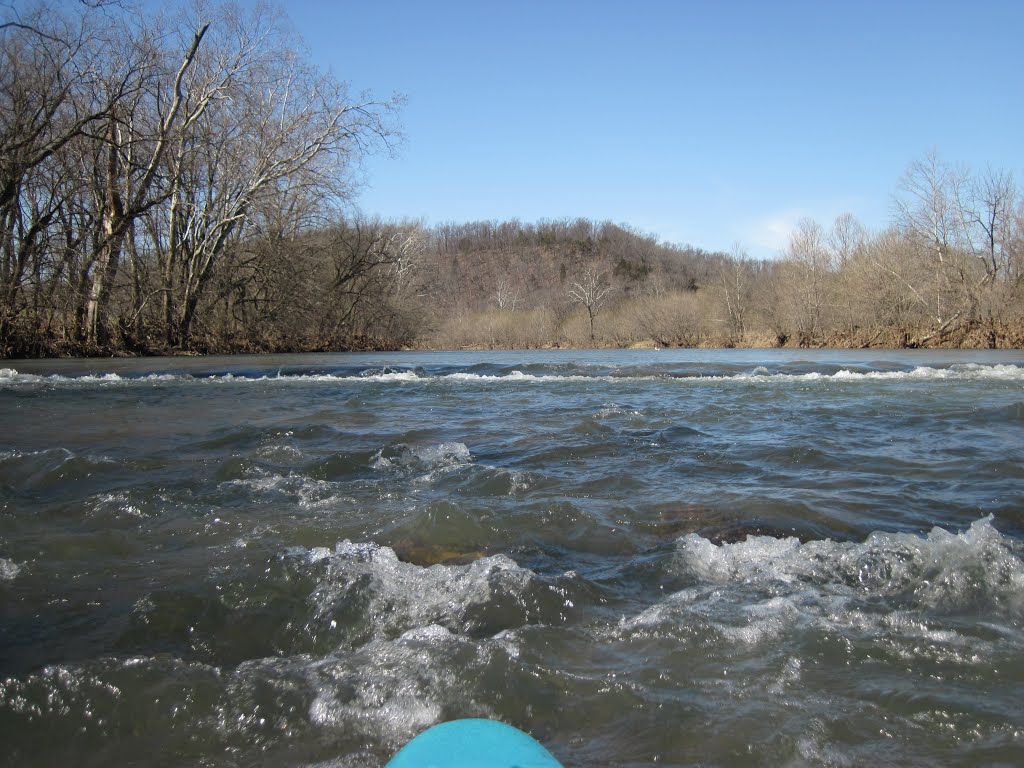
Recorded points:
(810, 257)
(590, 290)
(735, 283)
(506, 295)
(986, 208)
(928, 212)
(845, 243)
(308, 131)
(49, 64)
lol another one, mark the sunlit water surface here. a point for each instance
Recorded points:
(716, 558)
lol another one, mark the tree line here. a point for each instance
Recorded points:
(948, 270)
(150, 166)
(183, 184)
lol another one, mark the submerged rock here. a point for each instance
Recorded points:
(425, 555)
(715, 525)
(737, 532)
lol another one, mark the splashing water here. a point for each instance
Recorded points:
(686, 558)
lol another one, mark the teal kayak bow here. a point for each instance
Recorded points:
(473, 744)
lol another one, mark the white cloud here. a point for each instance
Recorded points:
(767, 236)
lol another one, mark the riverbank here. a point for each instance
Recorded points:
(993, 337)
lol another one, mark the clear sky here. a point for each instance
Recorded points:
(708, 123)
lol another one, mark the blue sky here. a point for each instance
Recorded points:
(709, 123)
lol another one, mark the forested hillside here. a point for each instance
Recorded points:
(186, 184)
(948, 271)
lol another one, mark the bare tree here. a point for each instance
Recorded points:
(735, 285)
(811, 261)
(926, 203)
(161, 146)
(135, 149)
(590, 290)
(251, 89)
(845, 242)
(50, 64)
(1014, 246)
(506, 295)
(928, 212)
(374, 283)
(986, 207)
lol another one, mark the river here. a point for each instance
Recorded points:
(671, 557)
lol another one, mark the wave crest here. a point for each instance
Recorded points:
(10, 377)
(942, 571)
(913, 596)
(391, 597)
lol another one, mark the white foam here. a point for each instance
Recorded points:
(959, 372)
(9, 569)
(443, 454)
(309, 493)
(614, 410)
(895, 588)
(962, 371)
(402, 595)
(516, 376)
(422, 458)
(116, 504)
(399, 376)
(941, 570)
(285, 452)
(518, 481)
(390, 690)
(11, 377)
(760, 374)
(392, 720)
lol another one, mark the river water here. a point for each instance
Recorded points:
(715, 558)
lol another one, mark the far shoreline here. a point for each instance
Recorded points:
(642, 344)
